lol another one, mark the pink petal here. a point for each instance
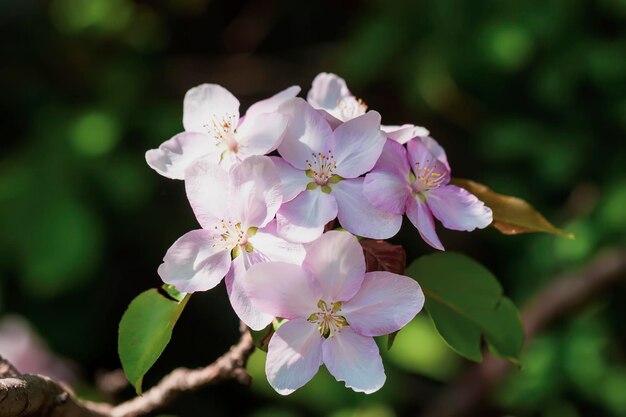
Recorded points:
(336, 261)
(354, 359)
(282, 289)
(386, 191)
(332, 120)
(293, 180)
(385, 303)
(267, 242)
(270, 105)
(239, 300)
(436, 149)
(420, 156)
(303, 218)
(191, 264)
(402, 134)
(266, 246)
(294, 356)
(260, 135)
(387, 186)
(208, 103)
(256, 191)
(458, 209)
(173, 157)
(419, 214)
(204, 181)
(307, 133)
(394, 159)
(327, 90)
(358, 144)
(357, 215)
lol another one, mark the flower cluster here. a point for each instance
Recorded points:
(264, 186)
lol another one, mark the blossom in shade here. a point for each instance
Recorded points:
(214, 130)
(235, 209)
(330, 93)
(333, 310)
(320, 170)
(416, 181)
(402, 134)
(331, 96)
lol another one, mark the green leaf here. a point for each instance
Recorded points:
(145, 330)
(511, 215)
(261, 338)
(464, 301)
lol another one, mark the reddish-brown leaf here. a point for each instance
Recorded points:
(383, 256)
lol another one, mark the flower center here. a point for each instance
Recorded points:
(428, 176)
(321, 167)
(223, 131)
(351, 107)
(327, 320)
(233, 237)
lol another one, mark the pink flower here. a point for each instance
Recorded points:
(402, 134)
(417, 183)
(331, 96)
(333, 309)
(330, 93)
(235, 209)
(320, 175)
(214, 130)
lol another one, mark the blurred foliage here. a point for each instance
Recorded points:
(527, 97)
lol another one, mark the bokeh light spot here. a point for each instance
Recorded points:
(94, 133)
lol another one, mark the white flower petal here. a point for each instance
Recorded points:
(207, 104)
(354, 359)
(294, 356)
(192, 264)
(174, 156)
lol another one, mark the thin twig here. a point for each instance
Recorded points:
(562, 296)
(231, 365)
(36, 395)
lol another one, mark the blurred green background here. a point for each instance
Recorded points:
(528, 97)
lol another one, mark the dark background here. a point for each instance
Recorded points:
(528, 97)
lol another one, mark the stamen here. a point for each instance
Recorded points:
(351, 107)
(428, 177)
(320, 167)
(232, 235)
(223, 131)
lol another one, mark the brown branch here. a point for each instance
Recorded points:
(562, 296)
(38, 396)
(231, 365)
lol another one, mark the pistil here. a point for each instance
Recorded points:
(327, 319)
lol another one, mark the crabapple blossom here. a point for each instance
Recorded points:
(402, 134)
(235, 209)
(330, 93)
(331, 96)
(333, 309)
(320, 175)
(416, 181)
(214, 130)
